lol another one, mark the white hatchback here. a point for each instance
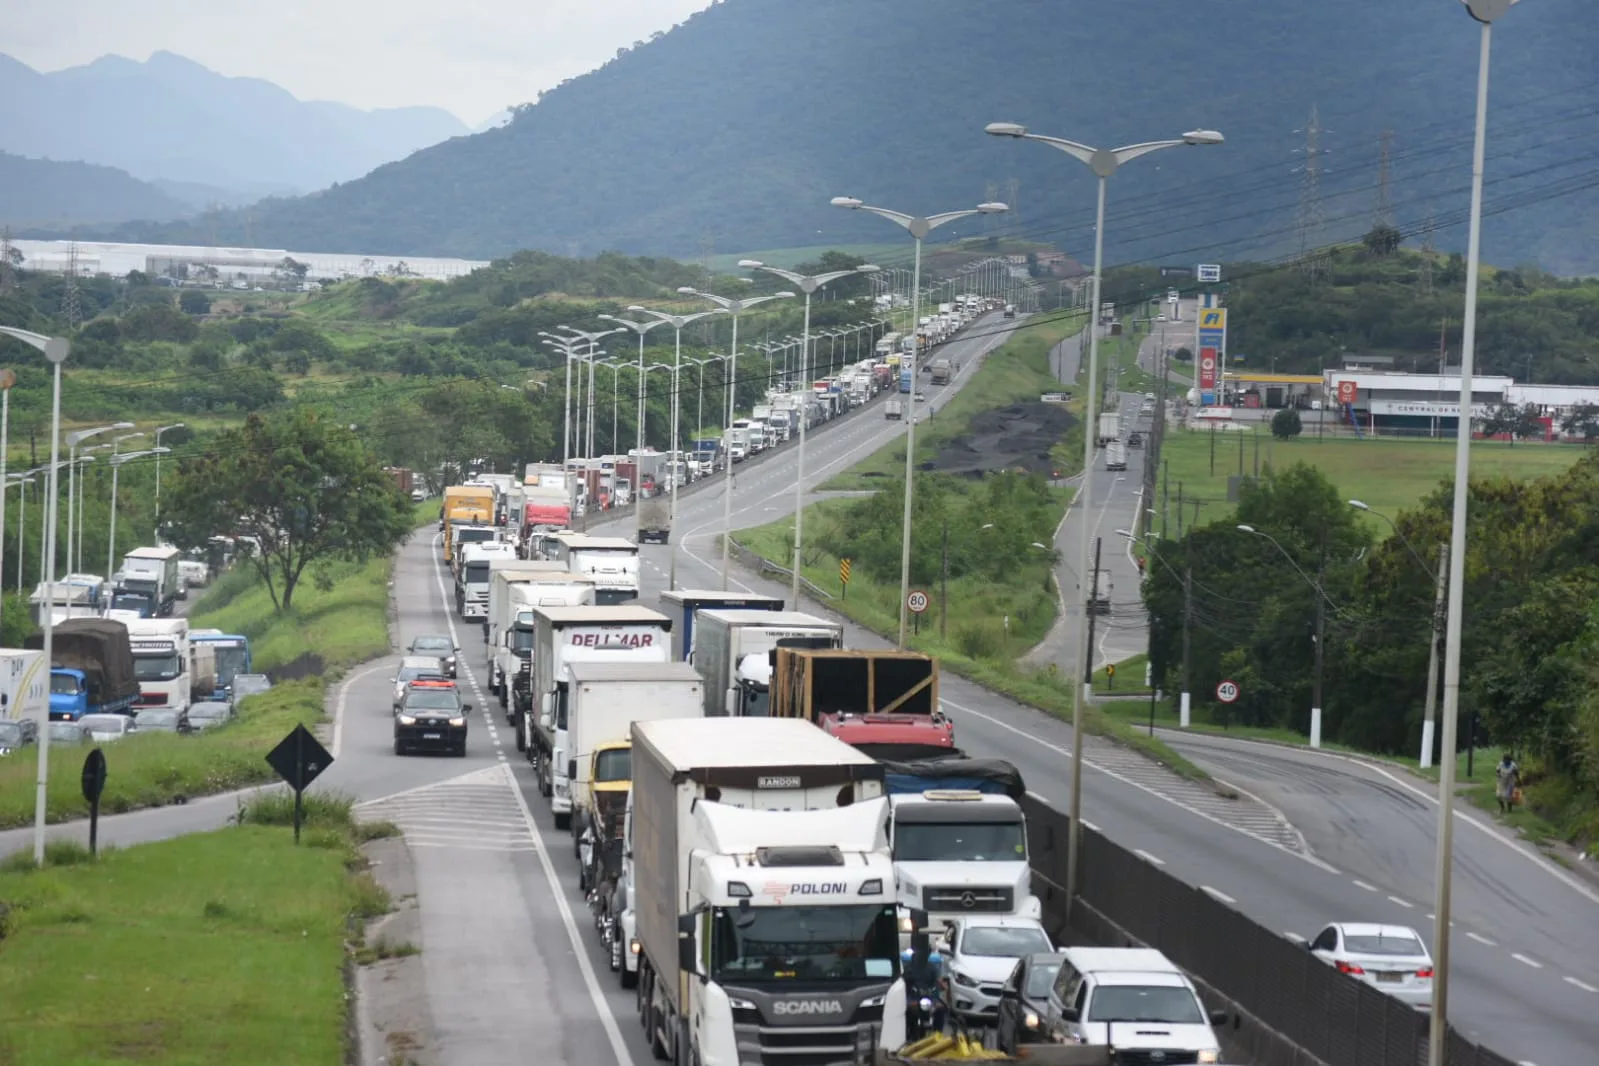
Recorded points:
(1390, 958)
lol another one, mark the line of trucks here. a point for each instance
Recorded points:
(112, 666)
(149, 584)
(736, 783)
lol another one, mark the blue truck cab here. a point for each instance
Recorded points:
(232, 659)
(70, 693)
(92, 672)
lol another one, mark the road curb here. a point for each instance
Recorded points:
(391, 1022)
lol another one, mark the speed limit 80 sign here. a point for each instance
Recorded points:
(916, 601)
(1227, 691)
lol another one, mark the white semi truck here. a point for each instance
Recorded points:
(161, 662)
(611, 561)
(732, 652)
(562, 636)
(761, 894)
(605, 700)
(472, 577)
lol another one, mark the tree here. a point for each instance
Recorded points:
(1383, 240)
(1286, 424)
(306, 488)
(1517, 423)
(194, 302)
(1581, 421)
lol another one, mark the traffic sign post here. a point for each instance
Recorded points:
(1227, 691)
(916, 602)
(1110, 675)
(93, 788)
(843, 578)
(299, 759)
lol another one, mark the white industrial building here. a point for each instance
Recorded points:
(1429, 404)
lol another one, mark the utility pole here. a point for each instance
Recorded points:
(1428, 250)
(1185, 700)
(943, 595)
(1384, 216)
(1076, 841)
(1430, 711)
(1321, 645)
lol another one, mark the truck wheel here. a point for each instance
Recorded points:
(656, 1037)
(521, 741)
(616, 959)
(502, 698)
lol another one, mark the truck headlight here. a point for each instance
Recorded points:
(1209, 1057)
(1030, 1019)
(907, 924)
(458, 722)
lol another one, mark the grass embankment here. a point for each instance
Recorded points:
(1389, 474)
(991, 624)
(227, 946)
(1017, 372)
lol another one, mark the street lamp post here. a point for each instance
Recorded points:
(640, 328)
(678, 322)
(734, 308)
(918, 227)
(55, 349)
(591, 339)
(1486, 12)
(116, 466)
(567, 346)
(8, 378)
(808, 284)
(1322, 603)
(22, 481)
(1103, 163)
(160, 430)
(73, 440)
(116, 450)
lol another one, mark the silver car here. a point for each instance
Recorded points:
(206, 714)
(979, 955)
(17, 733)
(249, 685)
(158, 720)
(105, 728)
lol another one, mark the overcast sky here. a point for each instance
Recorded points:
(471, 57)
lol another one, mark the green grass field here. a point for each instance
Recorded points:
(156, 769)
(1390, 475)
(1017, 372)
(217, 947)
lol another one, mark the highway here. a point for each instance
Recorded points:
(511, 958)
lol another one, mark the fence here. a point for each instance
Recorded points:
(1331, 1017)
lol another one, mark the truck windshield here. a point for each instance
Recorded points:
(157, 667)
(614, 765)
(63, 685)
(959, 842)
(792, 944)
(476, 574)
(521, 640)
(757, 701)
(131, 601)
(473, 535)
(232, 661)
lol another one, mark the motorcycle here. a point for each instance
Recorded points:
(924, 1002)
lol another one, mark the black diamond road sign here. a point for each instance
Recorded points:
(299, 758)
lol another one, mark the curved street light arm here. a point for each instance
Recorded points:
(1312, 582)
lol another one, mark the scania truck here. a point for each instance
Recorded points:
(562, 636)
(762, 894)
(732, 652)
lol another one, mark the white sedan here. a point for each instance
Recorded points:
(1390, 958)
(979, 955)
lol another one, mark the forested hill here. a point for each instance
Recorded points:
(737, 127)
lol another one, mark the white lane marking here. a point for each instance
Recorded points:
(1534, 963)
(1402, 902)
(343, 700)
(1086, 823)
(1431, 797)
(1216, 894)
(1295, 937)
(1584, 985)
(1362, 884)
(1484, 941)
(1114, 776)
(1147, 857)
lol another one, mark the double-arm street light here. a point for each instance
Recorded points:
(1486, 12)
(640, 328)
(677, 322)
(116, 465)
(734, 308)
(808, 284)
(589, 357)
(1104, 163)
(918, 227)
(158, 431)
(73, 440)
(22, 481)
(55, 349)
(568, 347)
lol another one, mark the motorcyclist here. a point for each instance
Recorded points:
(923, 971)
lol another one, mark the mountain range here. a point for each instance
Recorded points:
(735, 128)
(204, 137)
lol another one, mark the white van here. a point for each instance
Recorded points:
(1134, 999)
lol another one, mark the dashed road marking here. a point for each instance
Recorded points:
(1484, 941)
(1295, 937)
(1534, 963)
(1362, 884)
(1217, 894)
(1147, 857)
(1402, 902)
(1584, 985)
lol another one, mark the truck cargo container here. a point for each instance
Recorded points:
(562, 636)
(681, 605)
(92, 670)
(153, 572)
(611, 561)
(655, 520)
(732, 652)
(513, 647)
(25, 684)
(744, 835)
(882, 702)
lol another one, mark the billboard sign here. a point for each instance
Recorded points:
(1212, 339)
(1209, 272)
(1207, 375)
(1348, 393)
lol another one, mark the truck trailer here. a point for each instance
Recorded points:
(681, 605)
(92, 671)
(732, 652)
(745, 835)
(882, 702)
(153, 572)
(513, 634)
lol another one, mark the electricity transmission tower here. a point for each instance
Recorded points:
(71, 303)
(7, 275)
(1311, 218)
(1428, 251)
(1384, 216)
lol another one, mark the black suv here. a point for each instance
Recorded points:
(431, 717)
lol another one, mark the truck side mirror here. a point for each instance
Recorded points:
(688, 958)
(1068, 1014)
(730, 702)
(571, 769)
(546, 703)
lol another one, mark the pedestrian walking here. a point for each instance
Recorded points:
(1507, 783)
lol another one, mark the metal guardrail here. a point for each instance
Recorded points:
(1305, 1011)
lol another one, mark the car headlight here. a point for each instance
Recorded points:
(1030, 1019)
(964, 981)
(907, 924)
(1209, 1057)
(407, 719)
(458, 722)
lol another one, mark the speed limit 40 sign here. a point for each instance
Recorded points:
(916, 601)
(1227, 691)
